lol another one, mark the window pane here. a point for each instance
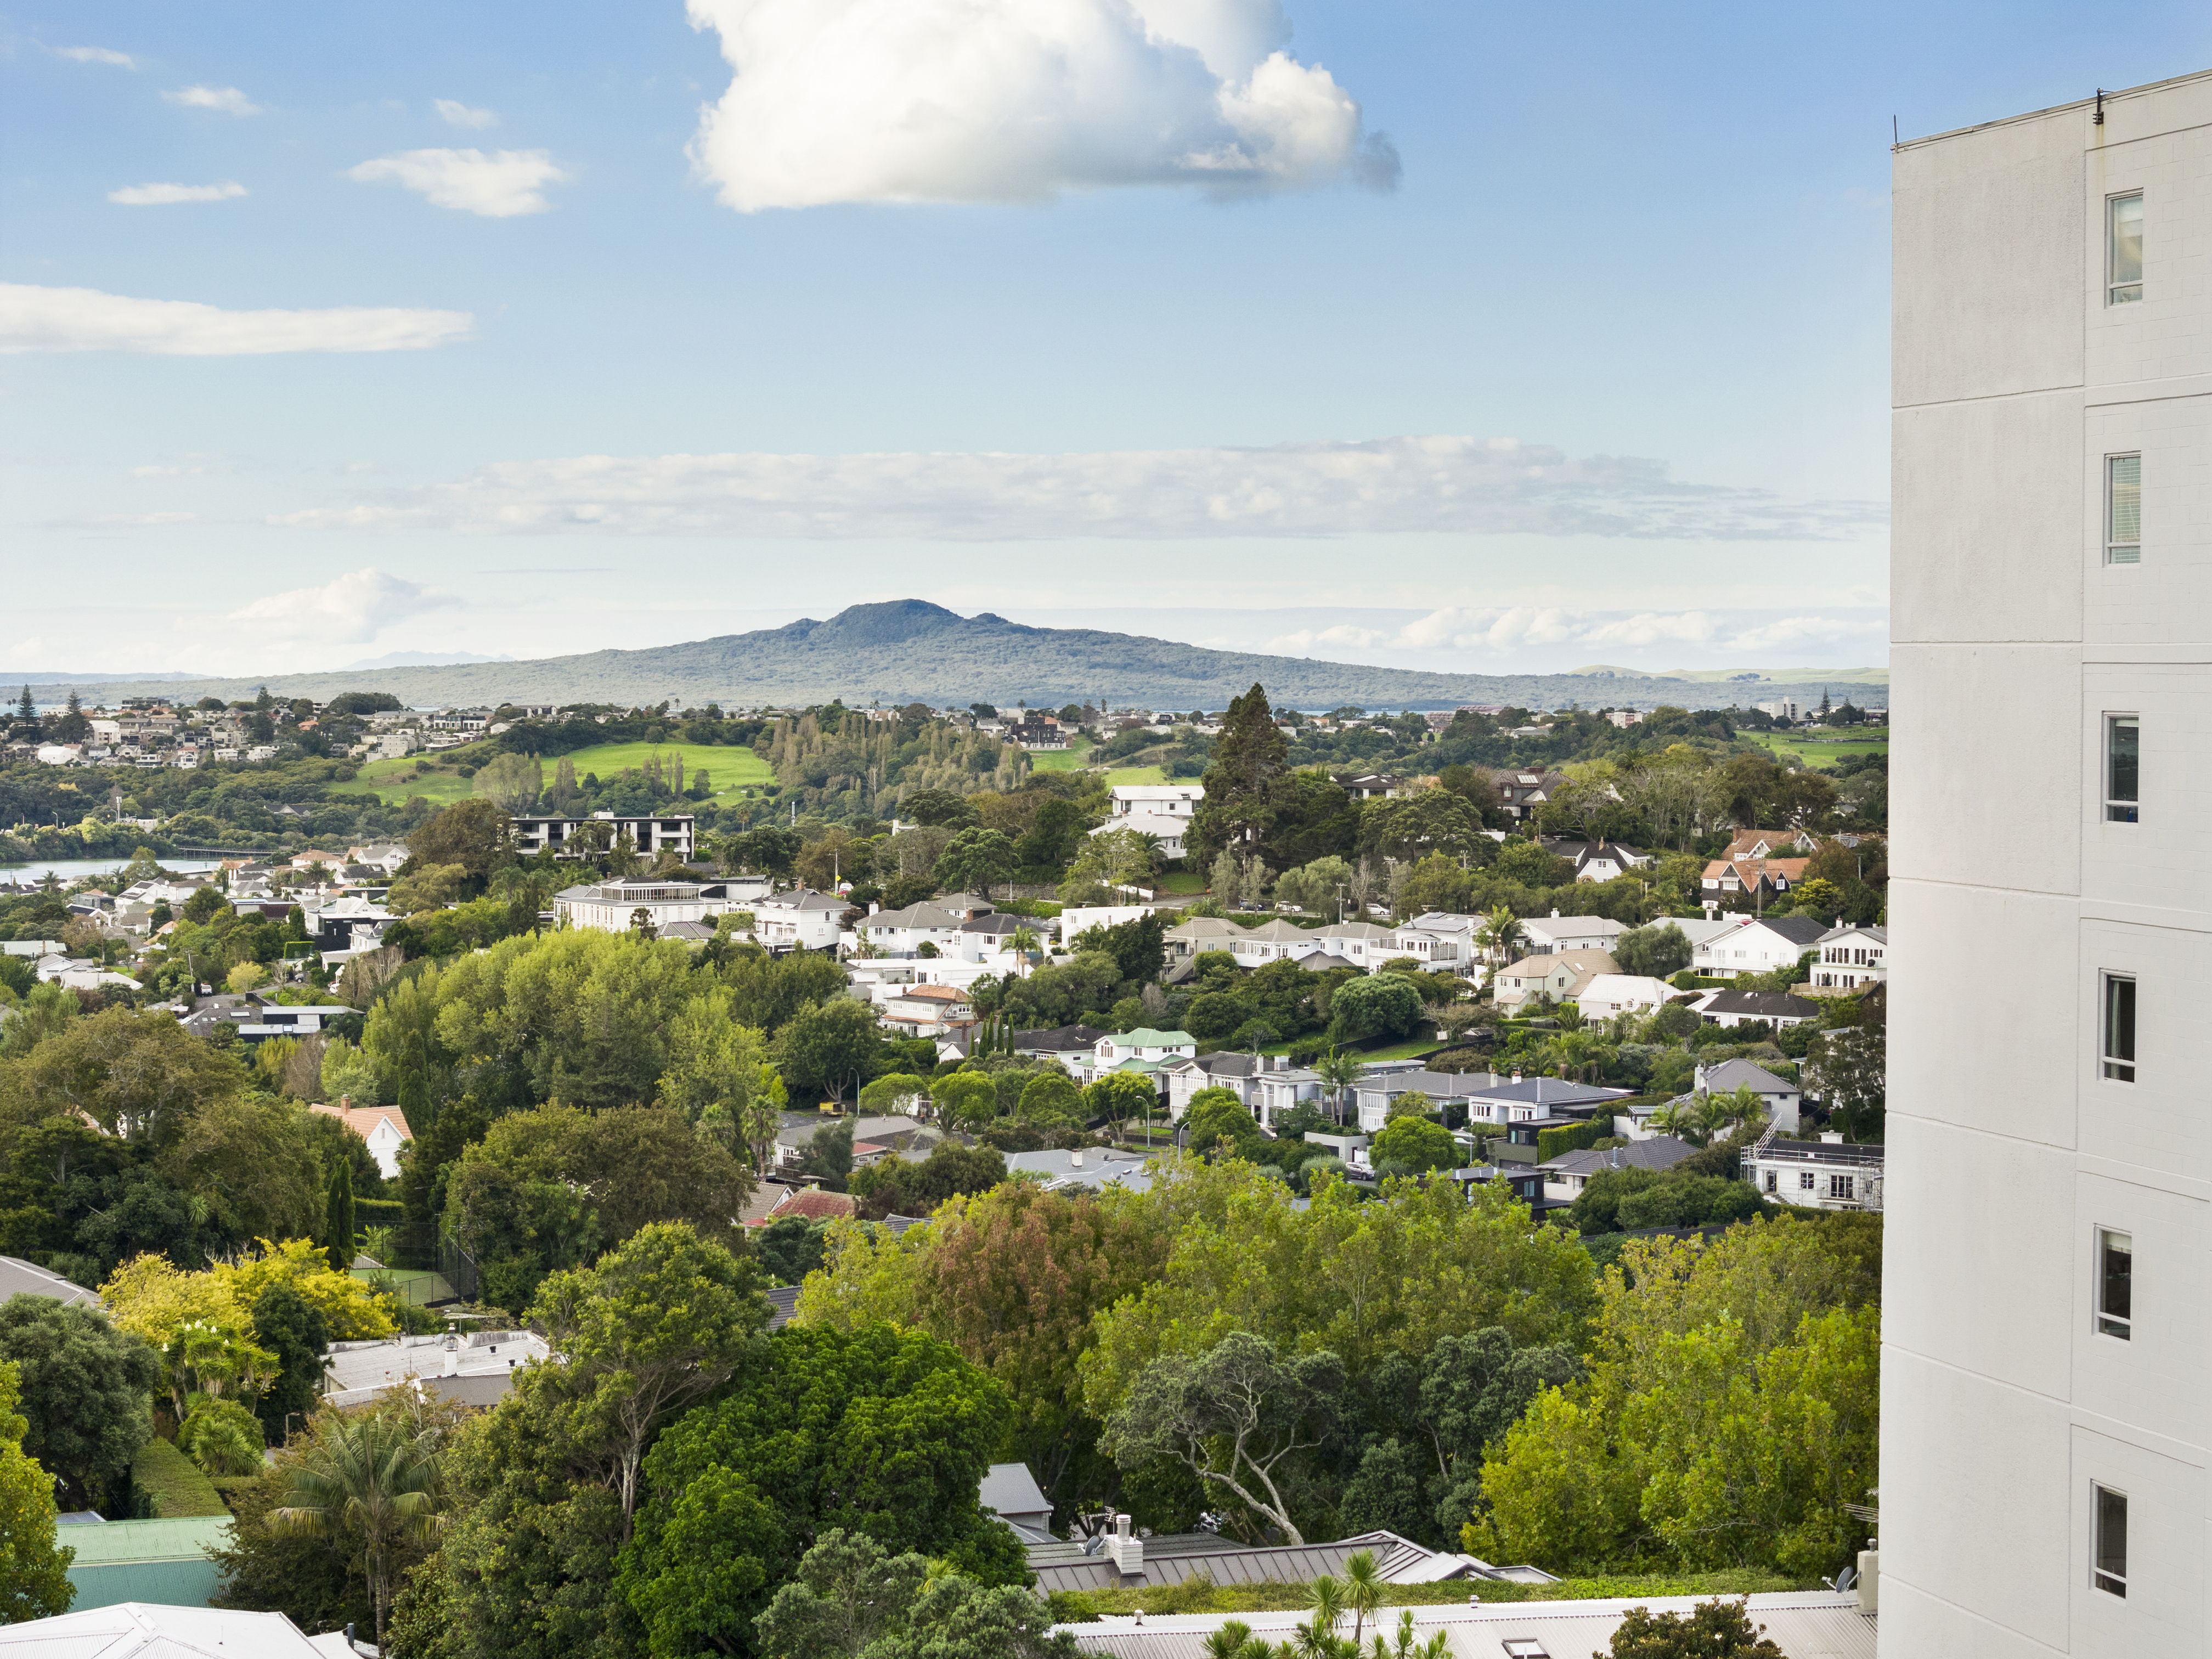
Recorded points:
(2120, 1029)
(2126, 249)
(2123, 753)
(2115, 1283)
(2123, 508)
(2111, 1542)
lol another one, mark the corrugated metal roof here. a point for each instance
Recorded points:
(113, 1541)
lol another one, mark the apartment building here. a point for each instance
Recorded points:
(2044, 1440)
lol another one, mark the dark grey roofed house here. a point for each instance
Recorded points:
(1011, 1492)
(1120, 1558)
(1801, 931)
(1660, 1152)
(1733, 1007)
(783, 1303)
(19, 1278)
(1057, 1040)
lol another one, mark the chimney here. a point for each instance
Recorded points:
(452, 1355)
(1516, 1074)
(345, 1103)
(1832, 1137)
(1124, 1547)
(1075, 1158)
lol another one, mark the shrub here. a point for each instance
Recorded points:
(1576, 1138)
(165, 1485)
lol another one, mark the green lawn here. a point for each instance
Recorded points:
(1074, 758)
(1134, 774)
(730, 769)
(1181, 881)
(1821, 750)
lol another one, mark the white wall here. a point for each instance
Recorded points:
(2008, 1149)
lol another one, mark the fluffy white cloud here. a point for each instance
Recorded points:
(458, 114)
(1513, 628)
(943, 101)
(163, 195)
(1471, 485)
(229, 100)
(97, 55)
(500, 186)
(348, 610)
(34, 318)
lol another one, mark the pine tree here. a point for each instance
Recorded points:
(27, 711)
(1248, 759)
(338, 1219)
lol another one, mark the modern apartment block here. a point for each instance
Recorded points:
(2045, 1371)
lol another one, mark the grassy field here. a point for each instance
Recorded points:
(1074, 758)
(1816, 751)
(1181, 881)
(730, 770)
(1134, 774)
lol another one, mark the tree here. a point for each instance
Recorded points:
(968, 1099)
(886, 1432)
(35, 1582)
(719, 1076)
(1338, 1073)
(1853, 1066)
(338, 1220)
(1243, 766)
(293, 1329)
(1118, 1096)
(1232, 1416)
(370, 1476)
(936, 808)
(896, 1186)
(513, 782)
(81, 1386)
(975, 859)
(251, 1161)
(1220, 1122)
(1429, 821)
(1379, 1005)
(1712, 1630)
(1658, 951)
(845, 1592)
(1417, 1143)
(473, 834)
(142, 1076)
(659, 1323)
(1050, 1100)
(832, 1047)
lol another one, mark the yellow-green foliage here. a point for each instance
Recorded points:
(170, 1487)
(33, 1572)
(1729, 1412)
(1359, 1277)
(1202, 1594)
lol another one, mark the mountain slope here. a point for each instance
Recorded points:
(908, 650)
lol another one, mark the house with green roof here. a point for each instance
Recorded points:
(1142, 1050)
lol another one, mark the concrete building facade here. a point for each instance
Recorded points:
(2043, 1483)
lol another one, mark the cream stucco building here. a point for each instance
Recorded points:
(2044, 1379)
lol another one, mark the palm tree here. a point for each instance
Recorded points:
(1363, 1589)
(372, 1476)
(1317, 1639)
(1339, 1072)
(1232, 1641)
(1021, 942)
(1499, 934)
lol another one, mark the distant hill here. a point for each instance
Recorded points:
(908, 650)
(1750, 676)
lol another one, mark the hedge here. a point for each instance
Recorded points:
(378, 1211)
(1550, 1143)
(167, 1486)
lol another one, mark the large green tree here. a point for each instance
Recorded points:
(35, 1579)
(82, 1389)
(1248, 761)
(885, 1432)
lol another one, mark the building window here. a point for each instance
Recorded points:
(2111, 1543)
(1805, 1181)
(1839, 1186)
(2124, 249)
(1773, 1180)
(2115, 1256)
(2123, 764)
(2122, 509)
(2119, 1027)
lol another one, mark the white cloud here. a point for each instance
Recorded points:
(348, 610)
(460, 115)
(165, 471)
(97, 55)
(945, 100)
(1802, 630)
(163, 195)
(500, 186)
(34, 318)
(139, 520)
(229, 100)
(1448, 485)
(1513, 628)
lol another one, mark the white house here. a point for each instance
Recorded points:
(383, 1128)
(1174, 800)
(652, 837)
(1561, 976)
(1082, 918)
(1556, 933)
(1200, 935)
(903, 932)
(1239, 1073)
(800, 920)
(1277, 1091)
(1273, 941)
(1733, 1008)
(1141, 1050)
(1439, 939)
(1827, 1174)
(1851, 957)
(1758, 947)
(1597, 860)
(1623, 994)
(926, 1010)
(613, 907)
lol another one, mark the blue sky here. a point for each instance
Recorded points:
(1267, 306)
